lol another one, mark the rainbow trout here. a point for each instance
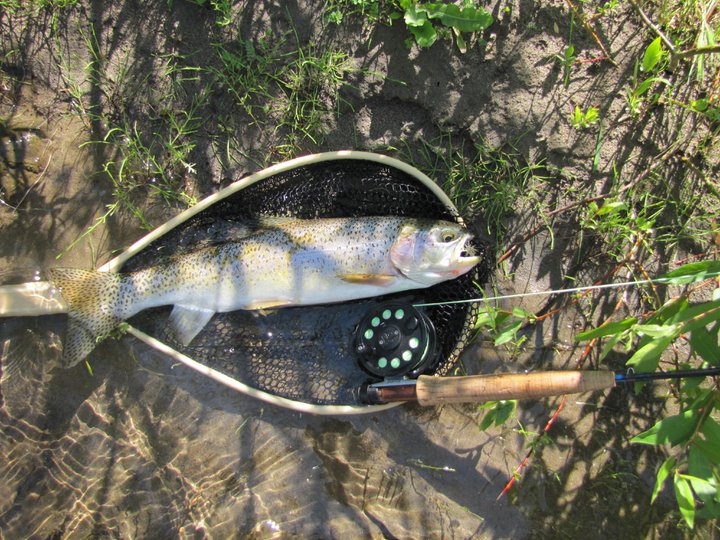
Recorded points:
(285, 262)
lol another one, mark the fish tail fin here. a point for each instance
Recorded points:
(93, 299)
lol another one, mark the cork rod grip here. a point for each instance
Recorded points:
(479, 388)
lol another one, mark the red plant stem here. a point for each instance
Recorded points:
(519, 468)
(595, 59)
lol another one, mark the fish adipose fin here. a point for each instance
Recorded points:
(186, 322)
(92, 299)
(368, 279)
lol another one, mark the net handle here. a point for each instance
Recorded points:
(30, 300)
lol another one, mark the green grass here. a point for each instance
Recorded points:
(372, 12)
(289, 92)
(145, 160)
(481, 180)
(33, 6)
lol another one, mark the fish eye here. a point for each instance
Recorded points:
(447, 236)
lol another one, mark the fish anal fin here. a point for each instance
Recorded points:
(186, 322)
(380, 280)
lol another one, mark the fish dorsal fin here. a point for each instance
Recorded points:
(186, 322)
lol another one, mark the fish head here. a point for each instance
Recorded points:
(429, 252)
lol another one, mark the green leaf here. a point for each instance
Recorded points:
(703, 489)
(569, 53)
(467, 19)
(335, 17)
(606, 329)
(700, 105)
(696, 317)
(647, 357)
(673, 429)
(710, 510)
(498, 413)
(662, 474)
(709, 446)
(460, 41)
(644, 86)
(425, 35)
(700, 474)
(689, 273)
(487, 420)
(711, 430)
(706, 345)
(652, 55)
(577, 116)
(685, 500)
(505, 410)
(521, 313)
(485, 318)
(691, 384)
(668, 310)
(413, 17)
(657, 330)
(433, 10)
(610, 345)
(611, 208)
(508, 333)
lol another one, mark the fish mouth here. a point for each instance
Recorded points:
(467, 249)
(465, 253)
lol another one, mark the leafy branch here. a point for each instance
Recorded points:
(695, 430)
(675, 54)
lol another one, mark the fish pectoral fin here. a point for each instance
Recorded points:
(268, 305)
(187, 321)
(381, 280)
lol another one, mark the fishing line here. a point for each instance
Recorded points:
(486, 299)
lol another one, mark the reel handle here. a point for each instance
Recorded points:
(478, 388)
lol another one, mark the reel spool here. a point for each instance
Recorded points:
(396, 340)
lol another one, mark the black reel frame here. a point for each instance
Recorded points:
(396, 340)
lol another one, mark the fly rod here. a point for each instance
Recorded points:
(429, 390)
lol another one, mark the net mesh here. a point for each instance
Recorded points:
(306, 353)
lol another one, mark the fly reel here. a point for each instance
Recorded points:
(396, 340)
